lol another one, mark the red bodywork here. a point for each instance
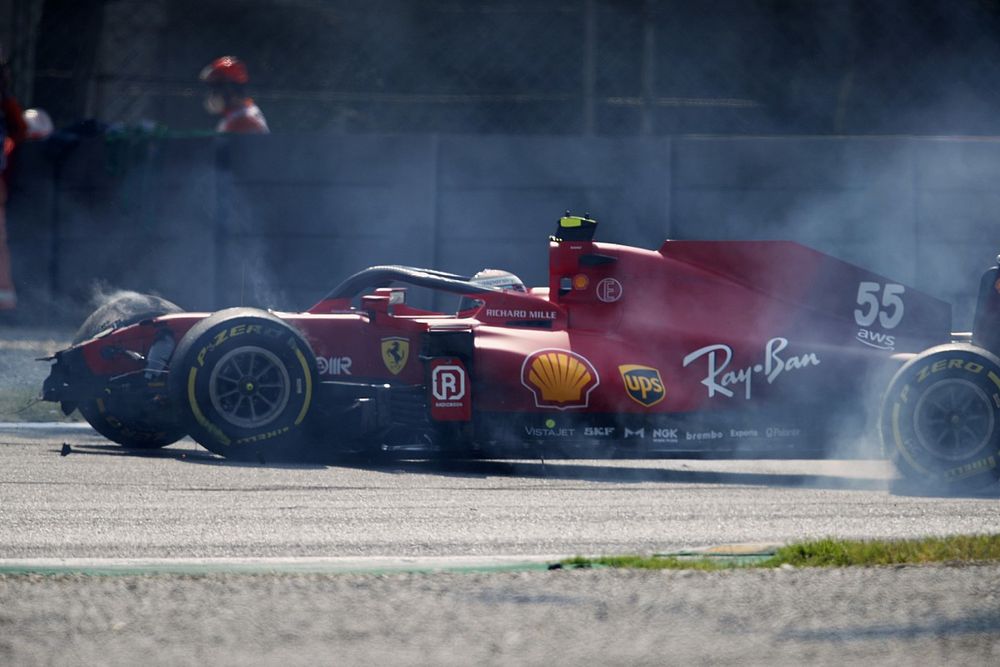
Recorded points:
(711, 345)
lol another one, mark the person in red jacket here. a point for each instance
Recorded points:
(12, 131)
(226, 78)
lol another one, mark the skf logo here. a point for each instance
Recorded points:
(643, 384)
(559, 379)
(448, 383)
(395, 352)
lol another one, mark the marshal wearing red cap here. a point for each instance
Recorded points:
(226, 78)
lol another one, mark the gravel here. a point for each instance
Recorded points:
(904, 616)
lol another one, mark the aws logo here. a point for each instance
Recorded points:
(559, 379)
(643, 384)
(875, 339)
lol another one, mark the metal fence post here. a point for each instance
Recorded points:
(589, 65)
(648, 73)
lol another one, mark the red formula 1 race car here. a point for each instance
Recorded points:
(748, 349)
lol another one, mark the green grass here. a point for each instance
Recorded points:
(842, 553)
(827, 552)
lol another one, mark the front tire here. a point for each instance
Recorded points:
(130, 425)
(245, 382)
(940, 418)
(124, 309)
(119, 417)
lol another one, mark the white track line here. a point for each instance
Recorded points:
(44, 426)
(289, 565)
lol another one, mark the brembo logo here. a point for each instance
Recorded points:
(559, 379)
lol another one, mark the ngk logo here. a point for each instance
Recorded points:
(448, 383)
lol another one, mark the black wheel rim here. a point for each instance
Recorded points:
(249, 387)
(954, 419)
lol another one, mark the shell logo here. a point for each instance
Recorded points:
(559, 379)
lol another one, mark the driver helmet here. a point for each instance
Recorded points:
(504, 280)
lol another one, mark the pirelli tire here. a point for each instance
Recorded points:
(138, 427)
(128, 422)
(245, 382)
(940, 418)
(124, 309)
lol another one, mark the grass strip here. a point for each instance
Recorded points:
(827, 552)
(844, 553)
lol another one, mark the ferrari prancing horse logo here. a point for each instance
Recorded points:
(395, 352)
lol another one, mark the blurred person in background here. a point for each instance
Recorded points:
(38, 123)
(226, 78)
(12, 131)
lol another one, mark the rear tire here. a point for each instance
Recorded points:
(245, 382)
(132, 424)
(940, 418)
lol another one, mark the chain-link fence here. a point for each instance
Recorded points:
(606, 67)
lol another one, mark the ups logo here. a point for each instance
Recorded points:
(643, 384)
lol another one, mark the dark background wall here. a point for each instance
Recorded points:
(278, 220)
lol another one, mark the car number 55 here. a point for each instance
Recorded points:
(888, 311)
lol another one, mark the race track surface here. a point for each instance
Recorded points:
(101, 502)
